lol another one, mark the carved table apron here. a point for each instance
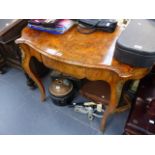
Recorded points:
(79, 55)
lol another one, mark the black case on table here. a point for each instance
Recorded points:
(136, 44)
(108, 25)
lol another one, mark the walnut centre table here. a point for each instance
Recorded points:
(81, 56)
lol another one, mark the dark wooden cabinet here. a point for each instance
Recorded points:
(10, 30)
(10, 53)
(2, 61)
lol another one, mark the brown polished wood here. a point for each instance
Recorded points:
(79, 55)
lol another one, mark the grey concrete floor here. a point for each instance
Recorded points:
(21, 112)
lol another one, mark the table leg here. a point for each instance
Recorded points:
(30, 82)
(116, 89)
(26, 58)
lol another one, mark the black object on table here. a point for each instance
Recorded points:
(135, 46)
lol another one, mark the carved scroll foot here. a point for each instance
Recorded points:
(26, 65)
(116, 90)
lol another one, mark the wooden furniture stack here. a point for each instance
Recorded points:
(10, 54)
(10, 30)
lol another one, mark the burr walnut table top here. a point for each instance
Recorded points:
(87, 50)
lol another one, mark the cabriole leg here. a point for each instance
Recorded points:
(26, 58)
(116, 90)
